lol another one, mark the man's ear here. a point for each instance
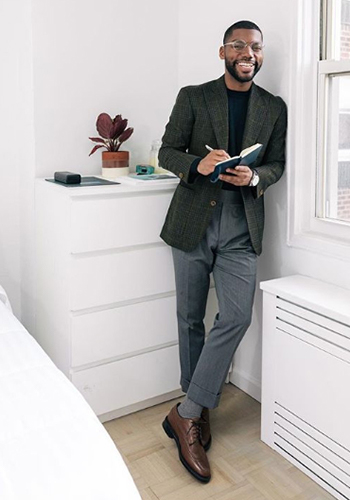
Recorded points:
(222, 52)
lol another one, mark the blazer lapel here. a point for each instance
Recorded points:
(216, 100)
(215, 97)
(256, 115)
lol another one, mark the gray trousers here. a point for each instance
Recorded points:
(225, 251)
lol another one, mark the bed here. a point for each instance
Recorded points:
(52, 446)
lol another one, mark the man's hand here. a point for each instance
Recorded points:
(242, 176)
(207, 165)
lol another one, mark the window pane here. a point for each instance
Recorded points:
(341, 16)
(337, 179)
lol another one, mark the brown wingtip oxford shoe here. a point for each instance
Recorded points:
(187, 435)
(205, 429)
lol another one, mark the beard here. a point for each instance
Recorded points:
(231, 68)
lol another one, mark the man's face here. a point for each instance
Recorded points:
(244, 64)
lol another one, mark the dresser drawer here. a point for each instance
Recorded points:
(105, 279)
(122, 383)
(122, 330)
(102, 223)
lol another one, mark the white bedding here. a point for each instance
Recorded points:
(52, 446)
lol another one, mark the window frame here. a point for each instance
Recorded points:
(306, 141)
(328, 103)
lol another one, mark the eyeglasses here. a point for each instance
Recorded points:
(240, 45)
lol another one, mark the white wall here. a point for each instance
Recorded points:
(27, 170)
(16, 153)
(202, 27)
(9, 168)
(112, 56)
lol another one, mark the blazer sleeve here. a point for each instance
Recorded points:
(273, 162)
(173, 155)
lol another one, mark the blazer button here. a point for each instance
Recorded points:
(213, 203)
(261, 192)
(181, 175)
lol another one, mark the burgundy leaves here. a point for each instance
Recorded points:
(113, 132)
(104, 125)
(118, 126)
(95, 148)
(126, 134)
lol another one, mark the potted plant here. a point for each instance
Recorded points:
(113, 132)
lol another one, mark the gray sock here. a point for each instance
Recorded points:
(189, 409)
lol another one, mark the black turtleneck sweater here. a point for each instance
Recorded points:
(237, 113)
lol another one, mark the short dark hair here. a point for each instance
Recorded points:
(246, 25)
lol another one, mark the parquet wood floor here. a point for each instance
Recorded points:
(243, 467)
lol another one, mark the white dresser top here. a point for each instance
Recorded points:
(125, 187)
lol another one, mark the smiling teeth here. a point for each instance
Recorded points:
(246, 65)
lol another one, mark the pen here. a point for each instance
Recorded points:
(209, 148)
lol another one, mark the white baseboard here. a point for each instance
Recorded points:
(242, 380)
(248, 384)
(140, 406)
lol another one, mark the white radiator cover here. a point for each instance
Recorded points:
(306, 378)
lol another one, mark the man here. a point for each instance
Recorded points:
(217, 227)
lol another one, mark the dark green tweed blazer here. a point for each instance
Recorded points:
(200, 117)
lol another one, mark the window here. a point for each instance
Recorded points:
(318, 154)
(333, 159)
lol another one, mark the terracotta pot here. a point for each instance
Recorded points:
(115, 164)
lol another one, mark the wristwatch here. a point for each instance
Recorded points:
(254, 181)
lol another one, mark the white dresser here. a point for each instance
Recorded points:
(105, 308)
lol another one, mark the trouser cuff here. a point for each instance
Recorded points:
(199, 395)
